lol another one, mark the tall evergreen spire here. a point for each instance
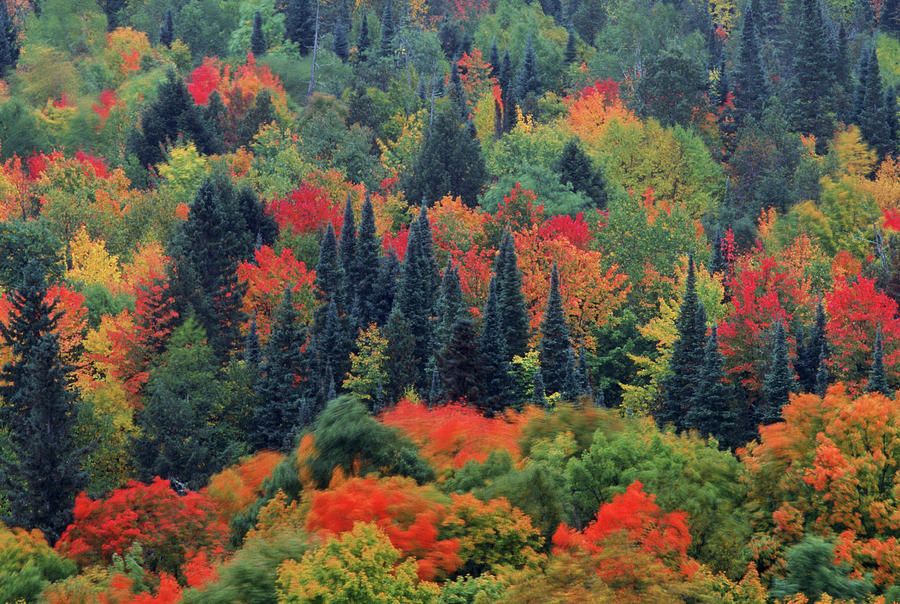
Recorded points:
(363, 42)
(555, 343)
(449, 306)
(252, 350)
(299, 24)
(347, 254)
(497, 389)
(822, 376)
(166, 30)
(460, 363)
(751, 91)
(779, 381)
(258, 44)
(813, 78)
(328, 271)
(528, 80)
(514, 322)
(387, 30)
(687, 355)
(494, 59)
(368, 254)
(877, 374)
(711, 412)
(41, 471)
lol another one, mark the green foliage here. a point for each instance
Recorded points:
(9, 41)
(29, 241)
(673, 86)
(877, 375)
(27, 565)
(812, 572)
(76, 27)
(471, 590)
(19, 130)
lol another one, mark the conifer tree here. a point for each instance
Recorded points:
(508, 93)
(528, 80)
(751, 91)
(387, 30)
(779, 380)
(538, 393)
(497, 385)
(460, 363)
(334, 346)
(555, 343)
(810, 352)
(347, 254)
(822, 376)
(167, 30)
(388, 279)
(873, 114)
(341, 39)
(494, 59)
(457, 94)
(258, 44)
(582, 375)
(401, 365)
(575, 169)
(252, 350)
(711, 412)
(329, 281)
(514, 313)
(859, 94)
(813, 78)
(877, 374)
(277, 416)
(363, 42)
(449, 305)
(890, 16)
(368, 254)
(299, 25)
(41, 472)
(213, 116)
(687, 355)
(571, 50)
(891, 122)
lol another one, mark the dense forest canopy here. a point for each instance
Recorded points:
(449, 302)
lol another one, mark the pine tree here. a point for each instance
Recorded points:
(457, 94)
(555, 343)
(810, 352)
(299, 25)
(877, 374)
(402, 365)
(252, 350)
(385, 292)
(890, 119)
(751, 91)
(334, 345)
(779, 381)
(822, 376)
(527, 80)
(513, 310)
(368, 254)
(213, 117)
(575, 169)
(329, 281)
(363, 42)
(387, 30)
(571, 50)
(258, 44)
(276, 419)
(813, 79)
(494, 59)
(859, 95)
(873, 114)
(583, 375)
(711, 412)
(538, 392)
(460, 363)
(347, 254)
(497, 388)
(890, 16)
(41, 474)
(687, 355)
(449, 306)
(341, 40)
(167, 30)
(508, 93)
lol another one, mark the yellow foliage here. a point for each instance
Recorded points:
(183, 171)
(854, 156)
(399, 155)
(92, 264)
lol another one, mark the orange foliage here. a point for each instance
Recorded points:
(450, 435)
(593, 108)
(236, 487)
(407, 513)
(121, 585)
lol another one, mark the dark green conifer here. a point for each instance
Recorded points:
(41, 471)
(368, 255)
(279, 394)
(387, 30)
(341, 39)
(460, 363)
(779, 380)
(300, 25)
(347, 255)
(328, 270)
(575, 169)
(167, 30)
(213, 116)
(890, 16)
(571, 50)
(252, 350)
(711, 412)
(538, 393)
(822, 376)
(334, 345)
(363, 42)
(810, 352)
(859, 95)
(498, 387)
(401, 365)
(528, 80)
(494, 59)
(258, 44)
(508, 93)
(687, 356)
(513, 311)
(813, 78)
(891, 123)
(877, 374)
(449, 305)
(872, 115)
(751, 91)
(457, 94)
(555, 342)
(388, 278)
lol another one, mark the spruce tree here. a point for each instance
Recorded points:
(822, 376)
(890, 119)
(575, 169)
(167, 30)
(877, 375)
(457, 94)
(449, 306)
(387, 30)
(258, 44)
(859, 95)
(388, 279)
(460, 363)
(527, 80)
(687, 355)
(513, 310)
(779, 380)
(497, 385)
(538, 392)
(276, 419)
(494, 59)
(329, 282)
(41, 472)
(555, 343)
(508, 93)
(363, 42)
(368, 255)
(711, 412)
(300, 26)
(252, 350)
(402, 365)
(341, 39)
(890, 16)
(334, 345)
(872, 115)
(813, 78)
(811, 351)
(751, 91)
(571, 50)
(347, 254)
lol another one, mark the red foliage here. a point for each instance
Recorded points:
(64, 101)
(203, 80)
(121, 585)
(396, 241)
(96, 164)
(408, 514)
(575, 230)
(607, 90)
(891, 219)
(166, 524)
(519, 210)
(131, 61)
(108, 100)
(305, 210)
(450, 435)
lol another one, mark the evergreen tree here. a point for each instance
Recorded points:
(41, 472)
(779, 381)
(449, 306)
(494, 59)
(388, 279)
(513, 311)
(401, 366)
(571, 50)
(387, 30)
(711, 412)
(341, 39)
(172, 115)
(261, 112)
(822, 377)
(890, 16)
(810, 352)
(258, 44)
(813, 78)
(363, 42)
(450, 163)
(457, 94)
(751, 91)
(167, 30)
(873, 115)
(329, 281)
(497, 385)
(687, 355)
(347, 254)
(877, 374)
(460, 363)
(890, 119)
(213, 116)
(842, 73)
(582, 375)
(275, 420)
(252, 350)
(575, 169)
(555, 343)
(859, 95)
(334, 346)
(527, 80)
(300, 25)
(508, 93)
(538, 392)
(368, 254)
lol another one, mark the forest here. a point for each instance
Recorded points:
(449, 301)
